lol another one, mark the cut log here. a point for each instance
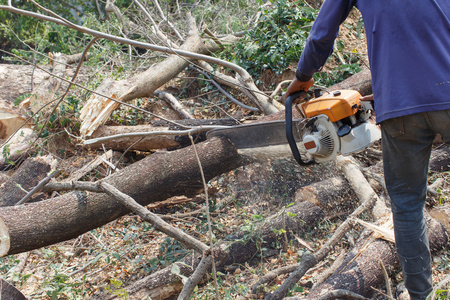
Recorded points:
(332, 195)
(361, 271)
(440, 159)
(442, 214)
(152, 179)
(9, 292)
(17, 80)
(236, 250)
(361, 81)
(148, 143)
(24, 179)
(11, 119)
(50, 88)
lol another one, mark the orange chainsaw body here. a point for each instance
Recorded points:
(336, 106)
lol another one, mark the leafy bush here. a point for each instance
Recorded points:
(277, 40)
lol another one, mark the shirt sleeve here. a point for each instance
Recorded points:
(319, 44)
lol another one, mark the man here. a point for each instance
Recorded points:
(409, 54)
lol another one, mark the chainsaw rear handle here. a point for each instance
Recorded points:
(290, 100)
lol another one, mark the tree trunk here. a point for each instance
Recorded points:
(16, 80)
(9, 292)
(98, 108)
(152, 179)
(51, 87)
(361, 273)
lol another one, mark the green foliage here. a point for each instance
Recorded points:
(171, 251)
(338, 74)
(15, 30)
(115, 289)
(277, 40)
(61, 287)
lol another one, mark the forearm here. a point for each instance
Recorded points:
(319, 45)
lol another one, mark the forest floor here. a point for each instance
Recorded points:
(121, 252)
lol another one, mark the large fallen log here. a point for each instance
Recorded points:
(17, 80)
(155, 178)
(51, 87)
(240, 247)
(361, 271)
(237, 249)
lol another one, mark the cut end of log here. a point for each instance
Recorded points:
(95, 113)
(442, 214)
(4, 239)
(11, 118)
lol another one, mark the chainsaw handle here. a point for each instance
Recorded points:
(290, 100)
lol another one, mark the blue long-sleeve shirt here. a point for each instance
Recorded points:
(409, 51)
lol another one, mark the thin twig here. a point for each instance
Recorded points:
(196, 277)
(234, 100)
(38, 187)
(342, 294)
(386, 279)
(208, 218)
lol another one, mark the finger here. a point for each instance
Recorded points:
(367, 98)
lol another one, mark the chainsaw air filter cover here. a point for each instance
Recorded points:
(336, 105)
(320, 139)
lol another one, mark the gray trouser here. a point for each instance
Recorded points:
(406, 146)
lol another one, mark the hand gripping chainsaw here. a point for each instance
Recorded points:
(330, 124)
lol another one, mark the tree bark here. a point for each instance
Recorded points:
(361, 271)
(332, 195)
(9, 292)
(152, 179)
(16, 80)
(24, 179)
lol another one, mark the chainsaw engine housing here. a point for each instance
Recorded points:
(336, 123)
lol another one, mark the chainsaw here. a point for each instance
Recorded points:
(331, 124)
